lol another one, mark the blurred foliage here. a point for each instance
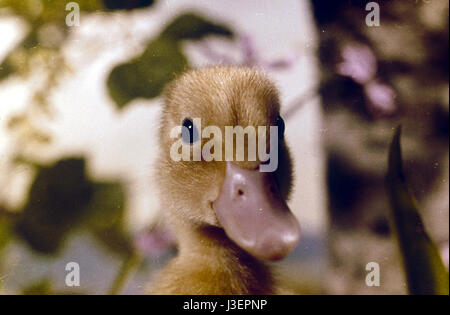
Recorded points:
(56, 203)
(46, 32)
(369, 82)
(424, 268)
(161, 61)
(194, 27)
(144, 76)
(46, 21)
(47, 11)
(62, 198)
(147, 75)
(47, 26)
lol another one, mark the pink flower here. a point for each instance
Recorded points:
(359, 63)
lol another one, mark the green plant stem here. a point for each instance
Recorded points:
(124, 272)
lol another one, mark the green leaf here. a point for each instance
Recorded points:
(193, 26)
(62, 198)
(147, 75)
(425, 271)
(56, 204)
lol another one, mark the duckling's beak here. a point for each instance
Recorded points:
(254, 215)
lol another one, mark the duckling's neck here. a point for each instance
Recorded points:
(215, 265)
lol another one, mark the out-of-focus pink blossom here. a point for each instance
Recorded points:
(381, 97)
(359, 63)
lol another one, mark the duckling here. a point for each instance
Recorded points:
(228, 217)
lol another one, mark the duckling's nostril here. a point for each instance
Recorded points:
(240, 192)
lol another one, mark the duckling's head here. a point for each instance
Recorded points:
(237, 196)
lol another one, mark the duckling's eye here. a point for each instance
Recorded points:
(190, 132)
(281, 127)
